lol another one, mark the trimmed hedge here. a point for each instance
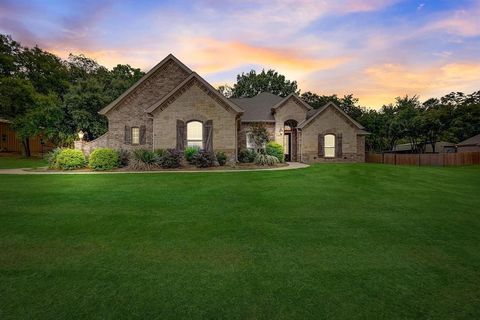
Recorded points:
(276, 150)
(69, 159)
(103, 159)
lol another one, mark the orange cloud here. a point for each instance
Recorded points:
(385, 82)
(208, 55)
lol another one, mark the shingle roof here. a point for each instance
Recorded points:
(470, 141)
(258, 108)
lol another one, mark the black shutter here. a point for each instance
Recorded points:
(338, 147)
(143, 132)
(181, 135)
(321, 142)
(208, 136)
(128, 135)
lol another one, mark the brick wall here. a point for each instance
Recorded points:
(332, 121)
(130, 111)
(196, 104)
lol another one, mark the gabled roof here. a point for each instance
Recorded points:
(5, 120)
(473, 141)
(325, 107)
(168, 58)
(259, 107)
(296, 97)
(194, 76)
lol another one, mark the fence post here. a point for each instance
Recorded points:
(394, 158)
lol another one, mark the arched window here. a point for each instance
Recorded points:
(195, 134)
(329, 145)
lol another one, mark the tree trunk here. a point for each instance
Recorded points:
(26, 147)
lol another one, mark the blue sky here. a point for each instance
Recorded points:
(375, 49)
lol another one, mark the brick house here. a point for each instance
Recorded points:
(173, 107)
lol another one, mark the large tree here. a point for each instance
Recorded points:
(252, 83)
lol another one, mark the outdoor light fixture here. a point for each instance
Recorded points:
(281, 131)
(81, 134)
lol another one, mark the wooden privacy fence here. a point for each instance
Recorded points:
(425, 159)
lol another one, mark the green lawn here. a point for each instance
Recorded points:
(11, 162)
(328, 242)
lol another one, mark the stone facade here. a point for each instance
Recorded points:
(195, 104)
(172, 94)
(331, 121)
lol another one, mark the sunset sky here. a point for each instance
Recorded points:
(375, 49)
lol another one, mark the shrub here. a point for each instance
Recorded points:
(103, 159)
(51, 158)
(276, 150)
(265, 159)
(123, 157)
(190, 152)
(160, 152)
(204, 159)
(143, 159)
(247, 155)
(170, 159)
(221, 158)
(68, 159)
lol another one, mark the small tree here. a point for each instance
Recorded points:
(259, 136)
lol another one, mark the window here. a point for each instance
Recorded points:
(135, 135)
(329, 140)
(250, 141)
(195, 134)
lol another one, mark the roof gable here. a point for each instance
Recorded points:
(325, 107)
(470, 141)
(302, 103)
(152, 71)
(172, 96)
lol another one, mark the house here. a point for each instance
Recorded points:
(440, 147)
(470, 145)
(174, 107)
(10, 142)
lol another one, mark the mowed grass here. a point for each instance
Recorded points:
(15, 161)
(358, 241)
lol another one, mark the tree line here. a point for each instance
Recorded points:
(42, 93)
(453, 117)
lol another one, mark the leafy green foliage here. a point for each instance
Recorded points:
(204, 159)
(221, 158)
(266, 160)
(259, 135)
(276, 150)
(190, 152)
(172, 158)
(68, 159)
(142, 160)
(247, 155)
(51, 157)
(103, 159)
(250, 84)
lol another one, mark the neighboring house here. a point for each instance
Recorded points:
(470, 145)
(440, 147)
(9, 141)
(173, 107)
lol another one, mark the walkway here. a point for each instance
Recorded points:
(291, 166)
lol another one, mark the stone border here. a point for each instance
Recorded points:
(19, 171)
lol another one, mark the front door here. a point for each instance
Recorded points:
(287, 146)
